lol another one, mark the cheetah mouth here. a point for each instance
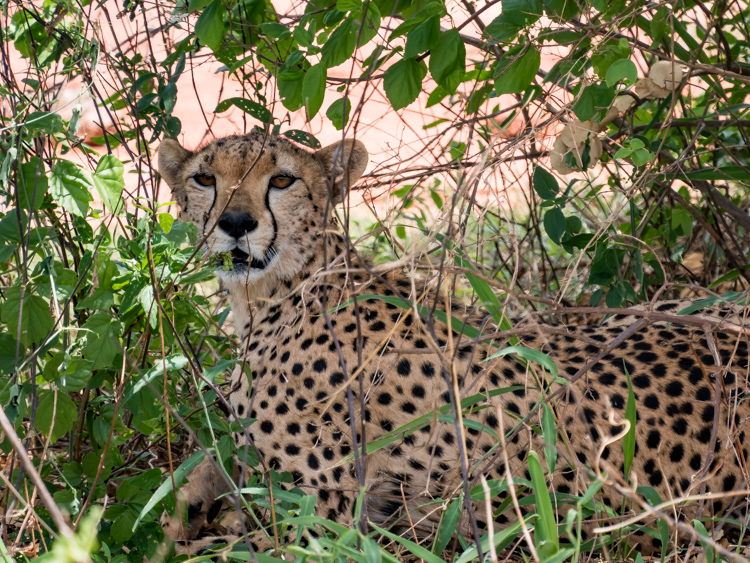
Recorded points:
(241, 260)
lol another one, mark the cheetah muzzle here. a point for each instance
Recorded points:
(268, 202)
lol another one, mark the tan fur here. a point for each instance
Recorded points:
(299, 390)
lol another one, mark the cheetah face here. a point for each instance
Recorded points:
(260, 202)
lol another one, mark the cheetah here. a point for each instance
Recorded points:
(342, 354)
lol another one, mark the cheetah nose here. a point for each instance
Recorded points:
(236, 225)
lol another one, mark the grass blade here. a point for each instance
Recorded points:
(549, 432)
(545, 532)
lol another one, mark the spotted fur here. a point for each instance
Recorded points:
(691, 428)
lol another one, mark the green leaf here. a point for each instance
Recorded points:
(545, 532)
(76, 375)
(554, 224)
(165, 221)
(549, 432)
(172, 363)
(31, 189)
(209, 28)
(45, 122)
(371, 26)
(423, 37)
(313, 89)
(628, 441)
(653, 498)
(179, 476)
(707, 547)
(340, 46)
(8, 353)
(621, 69)
(594, 97)
(545, 184)
(303, 138)
(448, 61)
(448, 526)
(103, 340)
(502, 538)
(71, 187)
(738, 173)
(403, 82)
(259, 112)
(338, 113)
(659, 24)
(56, 411)
(528, 354)
(517, 75)
(516, 15)
(150, 308)
(36, 319)
(413, 548)
(109, 182)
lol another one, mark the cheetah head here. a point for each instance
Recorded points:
(260, 200)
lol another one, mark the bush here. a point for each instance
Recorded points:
(625, 159)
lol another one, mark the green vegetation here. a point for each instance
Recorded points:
(629, 175)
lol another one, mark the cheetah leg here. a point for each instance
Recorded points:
(198, 502)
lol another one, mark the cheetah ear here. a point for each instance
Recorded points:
(172, 157)
(344, 162)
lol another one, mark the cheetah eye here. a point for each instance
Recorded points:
(206, 180)
(282, 181)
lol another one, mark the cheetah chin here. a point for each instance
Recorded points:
(312, 349)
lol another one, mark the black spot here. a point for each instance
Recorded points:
(642, 381)
(428, 370)
(608, 378)
(350, 327)
(377, 326)
(384, 399)
(282, 409)
(654, 439)
(677, 453)
(680, 426)
(312, 462)
(703, 394)
(651, 402)
(704, 436)
(297, 369)
(617, 401)
(301, 403)
(292, 449)
(408, 408)
(674, 388)
(449, 438)
(418, 391)
(266, 426)
(696, 375)
(322, 339)
(414, 464)
(656, 478)
(708, 413)
(306, 343)
(328, 453)
(320, 365)
(309, 383)
(336, 379)
(729, 482)
(404, 367)
(491, 421)
(293, 428)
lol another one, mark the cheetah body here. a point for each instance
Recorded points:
(316, 355)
